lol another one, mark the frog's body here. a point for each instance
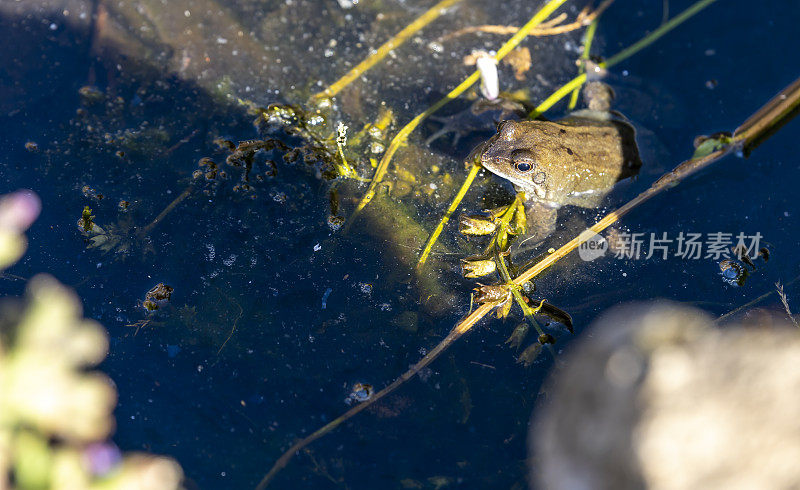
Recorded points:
(575, 161)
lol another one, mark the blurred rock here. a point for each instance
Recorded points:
(655, 396)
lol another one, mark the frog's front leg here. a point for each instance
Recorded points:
(541, 223)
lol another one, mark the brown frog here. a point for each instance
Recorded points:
(575, 161)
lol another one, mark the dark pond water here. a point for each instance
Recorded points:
(273, 315)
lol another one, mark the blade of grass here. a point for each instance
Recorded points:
(587, 47)
(473, 172)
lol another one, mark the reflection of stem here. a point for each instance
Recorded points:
(430, 357)
(401, 37)
(751, 303)
(235, 322)
(147, 229)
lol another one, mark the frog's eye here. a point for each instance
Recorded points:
(523, 167)
(524, 160)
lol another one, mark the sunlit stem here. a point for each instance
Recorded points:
(344, 169)
(473, 172)
(587, 46)
(526, 309)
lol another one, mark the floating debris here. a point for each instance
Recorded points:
(86, 221)
(498, 295)
(325, 297)
(335, 222)
(157, 297)
(91, 95)
(494, 293)
(557, 314)
(361, 392)
(740, 251)
(530, 354)
(733, 272)
(546, 338)
(90, 193)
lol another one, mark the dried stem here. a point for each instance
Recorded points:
(785, 301)
(550, 28)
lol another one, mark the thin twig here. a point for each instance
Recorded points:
(549, 28)
(233, 328)
(782, 295)
(142, 232)
(751, 303)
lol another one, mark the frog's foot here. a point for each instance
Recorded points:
(598, 96)
(448, 126)
(482, 115)
(541, 224)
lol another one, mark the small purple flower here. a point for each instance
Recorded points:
(19, 210)
(102, 457)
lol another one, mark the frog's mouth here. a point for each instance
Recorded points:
(533, 191)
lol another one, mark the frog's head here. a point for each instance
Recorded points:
(510, 155)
